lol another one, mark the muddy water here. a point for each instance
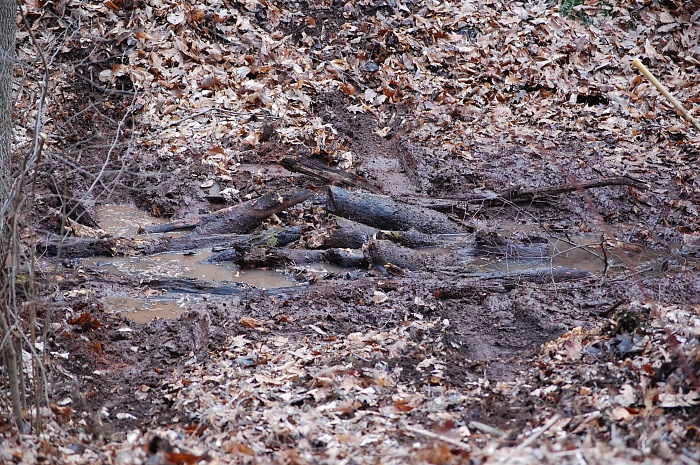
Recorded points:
(580, 253)
(125, 221)
(586, 253)
(189, 266)
(143, 310)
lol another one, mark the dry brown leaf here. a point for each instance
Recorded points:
(348, 89)
(87, 321)
(250, 322)
(210, 82)
(183, 458)
(239, 447)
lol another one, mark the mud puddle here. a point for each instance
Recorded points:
(585, 252)
(143, 310)
(126, 221)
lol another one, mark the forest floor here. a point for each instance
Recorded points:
(182, 108)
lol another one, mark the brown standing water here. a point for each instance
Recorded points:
(125, 221)
(584, 252)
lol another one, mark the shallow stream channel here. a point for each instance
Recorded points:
(580, 253)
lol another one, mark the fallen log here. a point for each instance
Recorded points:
(238, 219)
(79, 247)
(479, 283)
(338, 232)
(383, 212)
(82, 247)
(518, 195)
(265, 257)
(449, 256)
(194, 286)
(229, 243)
(382, 252)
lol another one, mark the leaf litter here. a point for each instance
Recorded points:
(468, 84)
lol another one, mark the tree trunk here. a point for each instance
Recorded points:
(8, 15)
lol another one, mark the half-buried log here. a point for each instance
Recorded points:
(449, 255)
(381, 253)
(238, 219)
(80, 247)
(340, 232)
(472, 284)
(382, 212)
(265, 257)
(491, 244)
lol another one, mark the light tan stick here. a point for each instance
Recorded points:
(640, 66)
(430, 434)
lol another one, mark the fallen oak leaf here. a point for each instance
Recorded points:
(238, 447)
(87, 321)
(347, 89)
(195, 429)
(210, 82)
(403, 405)
(183, 458)
(252, 323)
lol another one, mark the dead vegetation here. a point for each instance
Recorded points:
(186, 107)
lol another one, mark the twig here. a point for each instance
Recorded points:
(533, 437)
(443, 438)
(185, 118)
(605, 256)
(333, 176)
(513, 196)
(483, 427)
(517, 195)
(664, 91)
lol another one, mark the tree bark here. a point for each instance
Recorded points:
(239, 219)
(382, 212)
(8, 15)
(8, 26)
(83, 247)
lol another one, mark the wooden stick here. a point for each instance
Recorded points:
(443, 438)
(517, 195)
(640, 66)
(327, 174)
